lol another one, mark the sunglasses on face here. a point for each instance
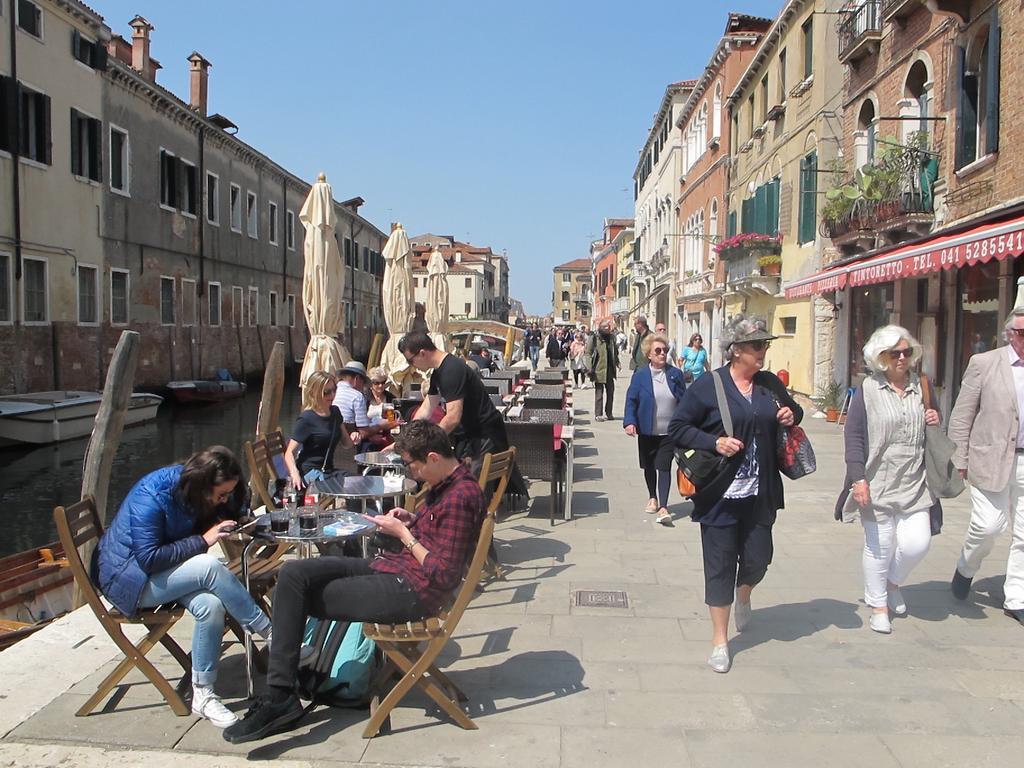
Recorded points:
(328, 392)
(659, 350)
(1018, 331)
(378, 383)
(759, 345)
(896, 354)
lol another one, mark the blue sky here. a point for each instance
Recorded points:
(514, 125)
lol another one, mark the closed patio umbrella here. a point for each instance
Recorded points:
(437, 300)
(323, 283)
(398, 300)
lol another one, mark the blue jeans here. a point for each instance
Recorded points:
(534, 356)
(206, 588)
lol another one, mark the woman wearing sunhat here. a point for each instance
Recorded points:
(736, 511)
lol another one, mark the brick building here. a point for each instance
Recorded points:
(933, 117)
(604, 253)
(701, 204)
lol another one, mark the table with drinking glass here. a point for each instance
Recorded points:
(380, 460)
(367, 488)
(304, 527)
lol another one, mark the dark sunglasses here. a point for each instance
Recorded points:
(378, 383)
(759, 345)
(896, 354)
(329, 391)
(1018, 331)
(659, 350)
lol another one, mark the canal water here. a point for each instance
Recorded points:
(33, 482)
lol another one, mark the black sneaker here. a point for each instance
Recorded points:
(961, 585)
(264, 718)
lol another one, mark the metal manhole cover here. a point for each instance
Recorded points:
(597, 598)
(529, 529)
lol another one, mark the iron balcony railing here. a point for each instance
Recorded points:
(860, 22)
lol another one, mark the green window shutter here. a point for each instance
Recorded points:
(747, 224)
(992, 87)
(808, 197)
(732, 223)
(772, 208)
(761, 209)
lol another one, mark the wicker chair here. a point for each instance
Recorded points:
(537, 457)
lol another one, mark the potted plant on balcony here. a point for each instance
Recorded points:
(770, 264)
(749, 243)
(830, 400)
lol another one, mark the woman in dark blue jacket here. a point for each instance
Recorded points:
(654, 392)
(736, 511)
(155, 552)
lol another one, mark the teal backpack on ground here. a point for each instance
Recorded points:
(342, 666)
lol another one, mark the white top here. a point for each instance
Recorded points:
(664, 402)
(1017, 369)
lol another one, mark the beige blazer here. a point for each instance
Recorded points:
(985, 420)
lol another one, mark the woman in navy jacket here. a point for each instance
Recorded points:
(737, 510)
(155, 552)
(654, 392)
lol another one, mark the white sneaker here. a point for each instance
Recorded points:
(719, 659)
(896, 602)
(742, 613)
(880, 623)
(205, 703)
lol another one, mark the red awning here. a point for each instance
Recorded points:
(981, 244)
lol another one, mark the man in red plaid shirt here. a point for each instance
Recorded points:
(437, 542)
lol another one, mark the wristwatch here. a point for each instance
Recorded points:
(411, 543)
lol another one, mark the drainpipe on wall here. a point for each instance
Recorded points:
(201, 221)
(15, 150)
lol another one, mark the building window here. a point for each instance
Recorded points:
(35, 123)
(6, 300)
(188, 200)
(30, 18)
(213, 299)
(167, 300)
(188, 302)
(807, 33)
(273, 308)
(254, 306)
(272, 223)
(236, 208)
(808, 198)
(565, 296)
(119, 161)
(85, 146)
(289, 230)
(237, 305)
(750, 116)
(88, 276)
(764, 99)
(119, 287)
(917, 92)
(252, 215)
(788, 326)
(469, 309)
(168, 179)
(716, 112)
(469, 282)
(977, 124)
(566, 278)
(761, 210)
(35, 296)
(565, 314)
(87, 51)
(864, 139)
(213, 198)
(291, 310)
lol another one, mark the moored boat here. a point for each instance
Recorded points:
(205, 390)
(50, 417)
(35, 588)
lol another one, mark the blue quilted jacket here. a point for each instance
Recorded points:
(151, 532)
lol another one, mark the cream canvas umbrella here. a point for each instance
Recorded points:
(323, 283)
(398, 300)
(437, 300)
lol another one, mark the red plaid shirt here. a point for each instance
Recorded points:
(448, 525)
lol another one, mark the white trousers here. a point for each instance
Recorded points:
(893, 546)
(991, 512)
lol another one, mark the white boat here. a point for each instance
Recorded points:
(50, 417)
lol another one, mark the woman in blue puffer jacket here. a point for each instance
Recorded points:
(155, 552)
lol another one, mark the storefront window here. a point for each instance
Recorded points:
(872, 308)
(979, 311)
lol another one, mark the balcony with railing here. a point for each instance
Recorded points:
(583, 298)
(860, 30)
(885, 203)
(900, 10)
(746, 276)
(620, 306)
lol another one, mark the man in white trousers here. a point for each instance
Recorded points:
(988, 430)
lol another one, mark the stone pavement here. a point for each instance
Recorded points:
(553, 684)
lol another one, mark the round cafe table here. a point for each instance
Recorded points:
(366, 488)
(382, 460)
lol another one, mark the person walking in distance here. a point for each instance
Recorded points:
(636, 357)
(987, 426)
(652, 397)
(578, 360)
(737, 509)
(885, 470)
(694, 359)
(532, 341)
(603, 357)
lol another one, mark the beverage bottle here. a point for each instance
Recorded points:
(290, 496)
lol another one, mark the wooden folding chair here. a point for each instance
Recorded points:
(496, 470)
(401, 645)
(80, 524)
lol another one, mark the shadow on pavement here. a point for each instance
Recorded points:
(933, 601)
(789, 622)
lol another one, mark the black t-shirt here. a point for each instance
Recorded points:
(453, 380)
(318, 435)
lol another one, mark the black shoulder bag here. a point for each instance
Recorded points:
(701, 467)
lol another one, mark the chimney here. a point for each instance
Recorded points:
(199, 83)
(140, 45)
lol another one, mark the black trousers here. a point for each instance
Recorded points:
(343, 588)
(734, 555)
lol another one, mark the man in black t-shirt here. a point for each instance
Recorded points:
(466, 402)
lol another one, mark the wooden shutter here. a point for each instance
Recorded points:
(95, 148)
(809, 198)
(747, 214)
(992, 88)
(99, 58)
(964, 112)
(8, 105)
(761, 209)
(772, 207)
(45, 141)
(76, 143)
(785, 208)
(732, 224)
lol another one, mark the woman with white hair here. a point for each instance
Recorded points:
(737, 509)
(885, 470)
